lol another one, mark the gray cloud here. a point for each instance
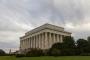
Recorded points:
(8, 45)
(20, 16)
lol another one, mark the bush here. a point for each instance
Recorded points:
(85, 54)
(7, 54)
(34, 53)
(2, 52)
(20, 55)
(54, 52)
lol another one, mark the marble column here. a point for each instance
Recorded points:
(39, 40)
(57, 38)
(49, 40)
(36, 41)
(61, 38)
(43, 40)
(28, 43)
(25, 43)
(33, 41)
(46, 41)
(54, 38)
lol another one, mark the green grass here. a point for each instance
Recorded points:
(56, 58)
(7, 58)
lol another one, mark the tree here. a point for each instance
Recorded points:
(2, 52)
(82, 45)
(69, 42)
(65, 48)
(56, 49)
(88, 39)
(57, 45)
(69, 45)
(55, 52)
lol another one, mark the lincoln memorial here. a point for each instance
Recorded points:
(43, 37)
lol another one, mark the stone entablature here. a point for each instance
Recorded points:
(45, 26)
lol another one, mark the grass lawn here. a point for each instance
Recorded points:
(7, 58)
(56, 58)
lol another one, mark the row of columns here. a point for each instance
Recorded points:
(44, 41)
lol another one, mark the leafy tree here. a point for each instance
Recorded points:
(57, 45)
(65, 48)
(54, 52)
(56, 49)
(69, 42)
(69, 46)
(88, 39)
(1, 51)
(82, 45)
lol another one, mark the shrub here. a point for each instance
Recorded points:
(34, 53)
(54, 52)
(2, 52)
(20, 55)
(85, 54)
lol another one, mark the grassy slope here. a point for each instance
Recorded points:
(7, 58)
(56, 58)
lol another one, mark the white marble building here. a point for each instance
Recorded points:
(43, 37)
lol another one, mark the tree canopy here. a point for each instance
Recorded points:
(2, 52)
(70, 47)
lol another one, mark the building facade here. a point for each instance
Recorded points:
(43, 37)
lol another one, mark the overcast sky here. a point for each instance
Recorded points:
(20, 16)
